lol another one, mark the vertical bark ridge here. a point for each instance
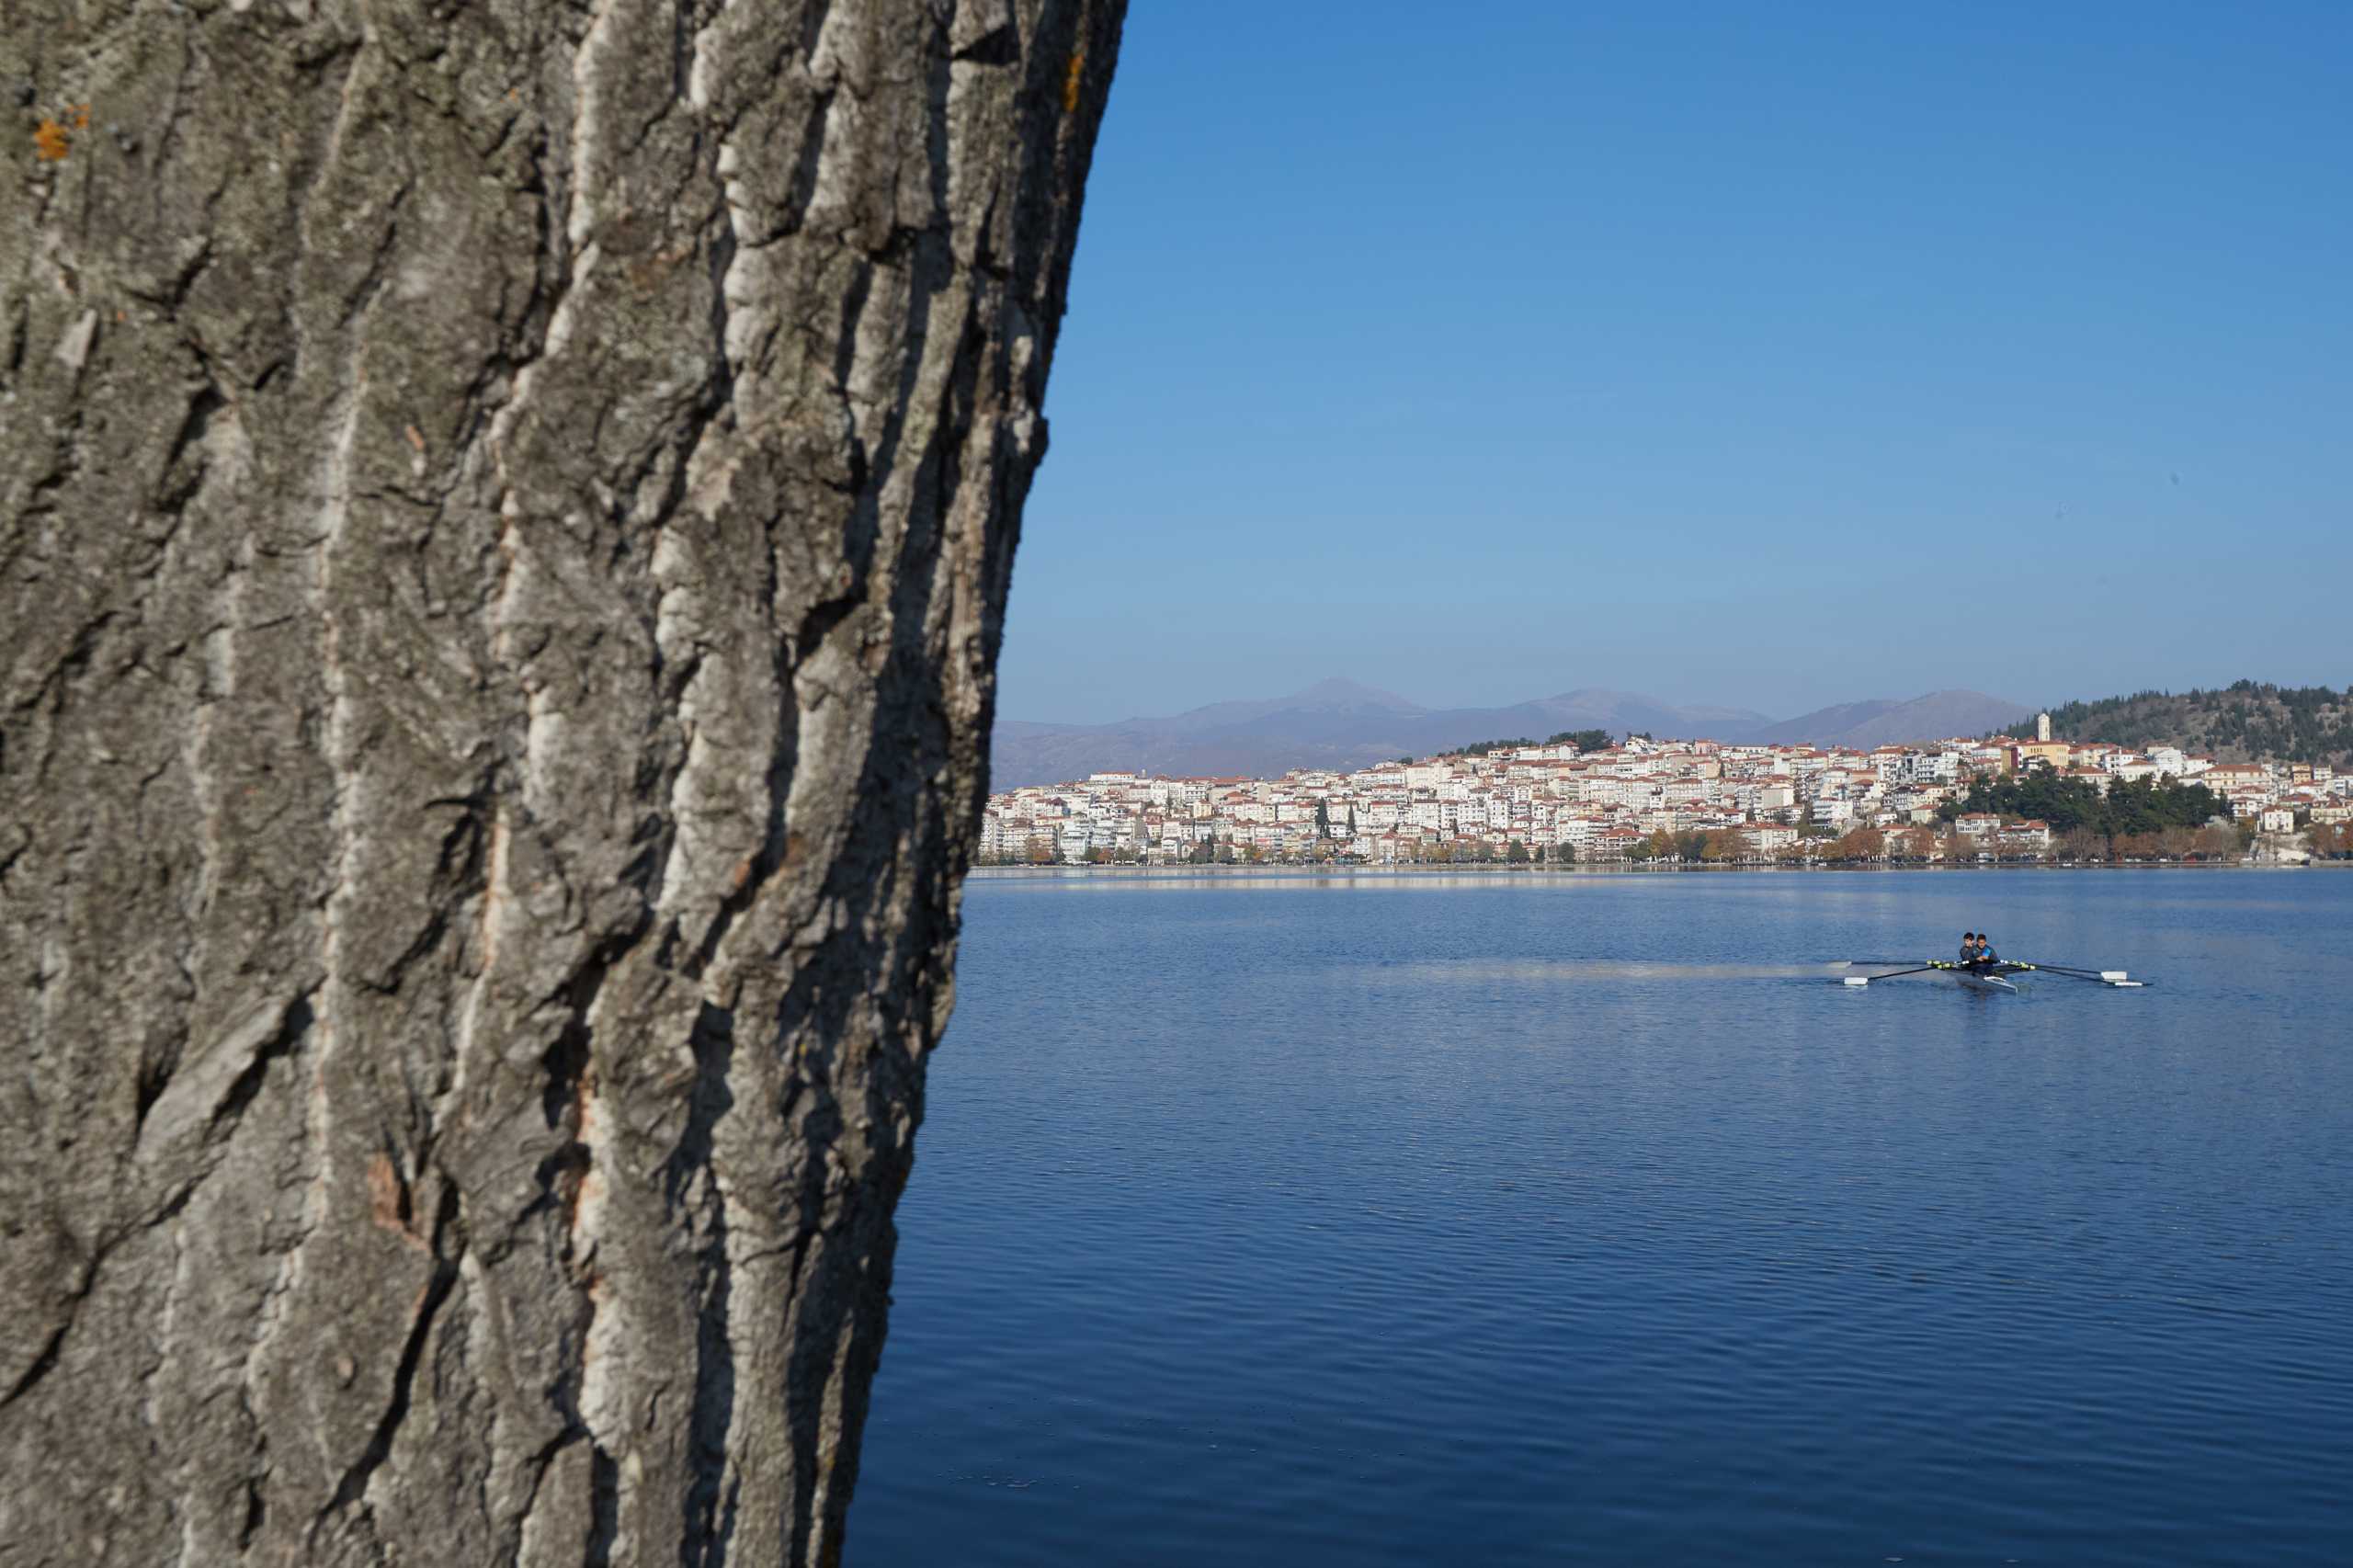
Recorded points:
(505, 523)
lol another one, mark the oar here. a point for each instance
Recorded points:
(1866, 979)
(2098, 976)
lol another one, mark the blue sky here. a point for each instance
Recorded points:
(1767, 355)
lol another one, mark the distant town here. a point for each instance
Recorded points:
(1586, 798)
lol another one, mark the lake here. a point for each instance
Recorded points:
(1571, 1218)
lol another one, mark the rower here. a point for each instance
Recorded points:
(1969, 946)
(1986, 958)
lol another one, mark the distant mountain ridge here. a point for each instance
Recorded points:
(1883, 722)
(1342, 725)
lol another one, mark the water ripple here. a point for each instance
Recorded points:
(1498, 1223)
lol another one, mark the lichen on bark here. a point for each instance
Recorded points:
(506, 515)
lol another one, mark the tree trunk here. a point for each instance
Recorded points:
(505, 517)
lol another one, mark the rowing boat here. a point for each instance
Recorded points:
(1993, 976)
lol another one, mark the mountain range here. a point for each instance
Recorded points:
(1343, 725)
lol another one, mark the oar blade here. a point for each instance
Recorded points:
(2120, 978)
(1860, 980)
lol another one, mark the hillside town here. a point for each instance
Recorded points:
(1583, 800)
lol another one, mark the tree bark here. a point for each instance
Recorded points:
(505, 512)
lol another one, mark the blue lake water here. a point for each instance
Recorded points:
(1517, 1220)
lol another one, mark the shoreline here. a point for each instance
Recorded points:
(1173, 872)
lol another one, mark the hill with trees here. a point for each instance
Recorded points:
(2244, 722)
(1583, 740)
(2129, 806)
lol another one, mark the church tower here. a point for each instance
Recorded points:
(2043, 726)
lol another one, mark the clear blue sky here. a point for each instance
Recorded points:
(1765, 354)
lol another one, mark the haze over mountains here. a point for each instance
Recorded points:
(1341, 724)
(1884, 722)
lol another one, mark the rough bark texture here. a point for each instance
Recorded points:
(505, 514)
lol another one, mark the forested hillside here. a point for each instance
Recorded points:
(2246, 722)
(2128, 806)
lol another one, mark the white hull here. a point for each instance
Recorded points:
(1987, 982)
